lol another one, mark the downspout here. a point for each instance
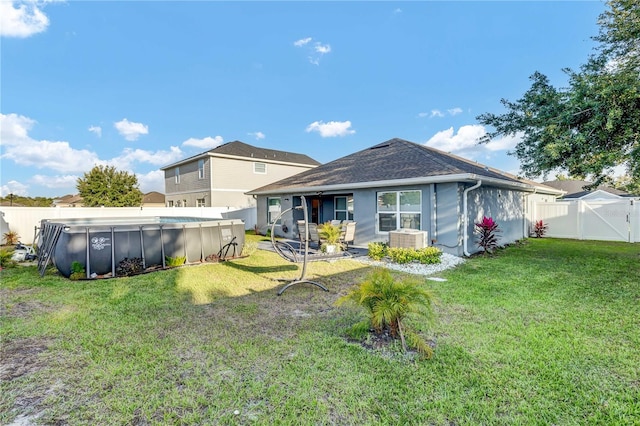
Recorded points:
(466, 216)
(525, 229)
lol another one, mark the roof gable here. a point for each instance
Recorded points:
(393, 160)
(243, 150)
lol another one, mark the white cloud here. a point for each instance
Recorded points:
(97, 130)
(331, 129)
(315, 51)
(23, 150)
(439, 114)
(465, 141)
(204, 143)
(257, 135)
(152, 181)
(14, 187)
(130, 156)
(302, 42)
(66, 181)
(21, 19)
(322, 49)
(130, 130)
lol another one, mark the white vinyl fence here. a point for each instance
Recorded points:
(24, 220)
(617, 220)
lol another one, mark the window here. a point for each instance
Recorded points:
(184, 203)
(200, 202)
(200, 169)
(177, 174)
(273, 209)
(170, 203)
(260, 168)
(399, 210)
(343, 208)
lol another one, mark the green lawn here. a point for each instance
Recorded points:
(546, 332)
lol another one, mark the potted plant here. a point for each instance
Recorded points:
(330, 237)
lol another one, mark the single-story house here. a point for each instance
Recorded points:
(69, 200)
(575, 190)
(400, 185)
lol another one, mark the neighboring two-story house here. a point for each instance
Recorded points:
(221, 176)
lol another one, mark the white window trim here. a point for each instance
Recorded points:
(272, 211)
(201, 173)
(398, 212)
(346, 211)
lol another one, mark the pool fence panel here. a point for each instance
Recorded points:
(603, 220)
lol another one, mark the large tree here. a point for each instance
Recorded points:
(592, 125)
(106, 186)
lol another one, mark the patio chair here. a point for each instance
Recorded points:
(314, 236)
(348, 234)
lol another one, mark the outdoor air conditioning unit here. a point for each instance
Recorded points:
(408, 238)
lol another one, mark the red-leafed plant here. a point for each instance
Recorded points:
(540, 228)
(487, 231)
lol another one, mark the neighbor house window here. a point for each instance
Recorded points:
(177, 173)
(273, 209)
(200, 169)
(170, 203)
(184, 203)
(260, 168)
(200, 202)
(343, 208)
(399, 210)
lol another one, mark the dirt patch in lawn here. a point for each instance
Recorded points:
(21, 357)
(19, 303)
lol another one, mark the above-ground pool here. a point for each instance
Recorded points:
(101, 244)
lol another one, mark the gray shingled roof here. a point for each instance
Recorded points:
(241, 149)
(393, 160)
(575, 188)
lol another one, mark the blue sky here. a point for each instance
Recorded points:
(139, 85)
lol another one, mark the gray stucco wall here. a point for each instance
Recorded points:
(505, 206)
(448, 226)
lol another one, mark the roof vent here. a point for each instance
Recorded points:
(380, 146)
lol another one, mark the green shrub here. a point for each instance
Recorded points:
(5, 259)
(429, 255)
(175, 261)
(426, 255)
(330, 233)
(377, 251)
(77, 271)
(388, 303)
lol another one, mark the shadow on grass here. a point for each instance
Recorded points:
(261, 269)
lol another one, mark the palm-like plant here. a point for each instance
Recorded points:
(11, 238)
(389, 302)
(487, 230)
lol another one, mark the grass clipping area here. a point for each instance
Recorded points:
(545, 332)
